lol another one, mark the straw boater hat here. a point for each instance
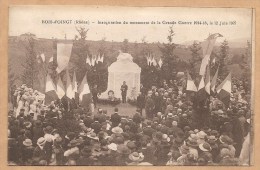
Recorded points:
(27, 124)
(112, 147)
(27, 142)
(41, 141)
(117, 130)
(201, 135)
(205, 147)
(193, 136)
(170, 115)
(93, 135)
(136, 157)
(165, 138)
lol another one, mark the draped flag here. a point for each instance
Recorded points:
(148, 60)
(191, 85)
(154, 62)
(60, 89)
(88, 60)
(93, 60)
(98, 58)
(51, 60)
(207, 81)
(84, 93)
(74, 83)
(207, 47)
(69, 91)
(63, 55)
(214, 81)
(50, 91)
(214, 61)
(160, 63)
(43, 57)
(102, 58)
(224, 90)
(201, 94)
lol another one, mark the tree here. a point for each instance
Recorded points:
(169, 59)
(245, 65)
(195, 59)
(125, 46)
(11, 81)
(224, 52)
(80, 51)
(30, 66)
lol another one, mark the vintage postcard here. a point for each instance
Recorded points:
(121, 86)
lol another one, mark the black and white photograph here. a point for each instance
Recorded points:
(130, 86)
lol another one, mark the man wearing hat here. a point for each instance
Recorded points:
(73, 151)
(135, 158)
(27, 152)
(39, 152)
(148, 130)
(49, 142)
(149, 106)
(137, 118)
(58, 151)
(85, 158)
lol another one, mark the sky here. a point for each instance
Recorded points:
(23, 19)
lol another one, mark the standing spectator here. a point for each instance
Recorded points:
(140, 102)
(124, 89)
(115, 118)
(149, 106)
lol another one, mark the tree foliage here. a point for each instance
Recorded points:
(223, 56)
(30, 66)
(169, 58)
(195, 59)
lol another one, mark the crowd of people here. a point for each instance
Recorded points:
(165, 130)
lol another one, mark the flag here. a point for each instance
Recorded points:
(148, 59)
(93, 60)
(74, 83)
(51, 60)
(88, 60)
(69, 89)
(207, 47)
(224, 90)
(102, 58)
(60, 89)
(50, 91)
(160, 63)
(98, 58)
(214, 81)
(85, 97)
(201, 94)
(63, 55)
(154, 62)
(43, 57)
(213, 61)
(207, 81)
(190, 84)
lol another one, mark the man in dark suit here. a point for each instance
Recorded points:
(115, 118)
(96, 126)
(124, 89)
